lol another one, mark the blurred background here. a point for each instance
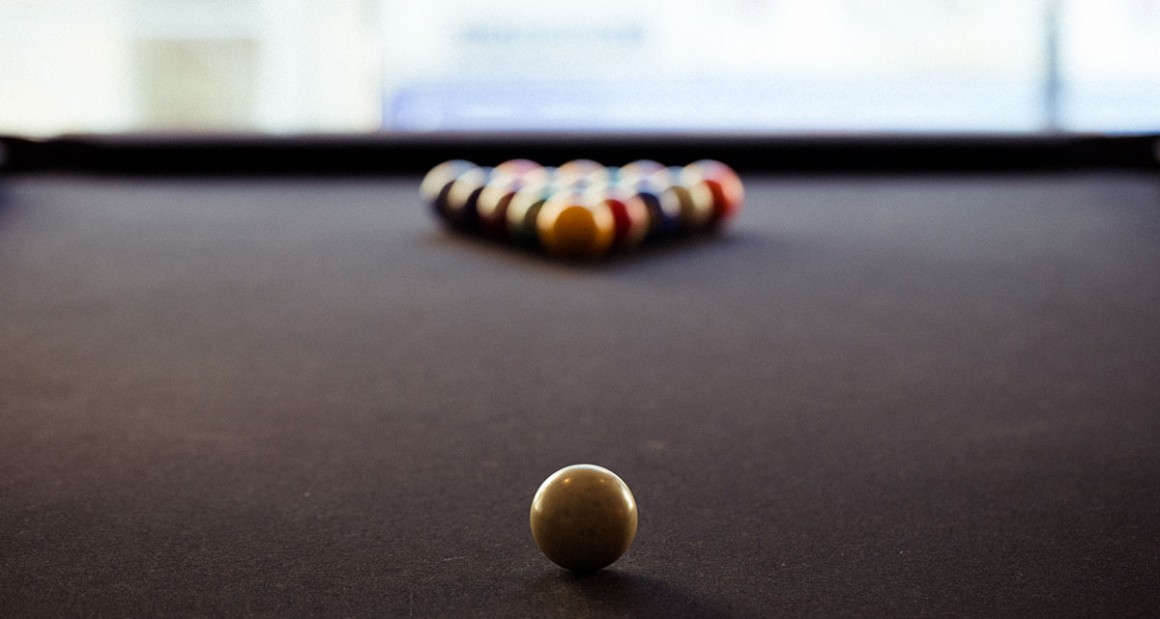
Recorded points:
(777, 66)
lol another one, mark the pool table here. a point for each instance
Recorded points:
(923, 393)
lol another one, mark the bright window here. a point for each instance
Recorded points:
(780, 66)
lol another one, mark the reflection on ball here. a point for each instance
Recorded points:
(583, 517)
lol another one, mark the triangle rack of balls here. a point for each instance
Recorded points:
(583, 209)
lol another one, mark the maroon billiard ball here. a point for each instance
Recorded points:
(629, 214)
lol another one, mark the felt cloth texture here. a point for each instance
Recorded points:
(904, 396)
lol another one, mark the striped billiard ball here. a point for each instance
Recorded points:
(695, 205)
(638, 170)
(629, 214)
(492, 204)
(518, 168)
(521, 214)
(581, 173)
(722, 182)
(463, 196)
(437, 183)
(664, 215)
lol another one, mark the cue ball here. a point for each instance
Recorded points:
(583, 517)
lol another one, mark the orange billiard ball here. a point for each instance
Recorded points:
(583, 517)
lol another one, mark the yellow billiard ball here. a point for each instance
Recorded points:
(576, 225)
(583, 517)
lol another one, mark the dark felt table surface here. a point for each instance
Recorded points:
(876, 396)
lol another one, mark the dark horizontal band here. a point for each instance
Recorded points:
(374, 154)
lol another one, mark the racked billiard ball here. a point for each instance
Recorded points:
(492, 204)
(518, 168)
(580, 173)
(725, 186)
(575, 225)
(695, 205)
(521, 212)
(462, 196)
(664, 216)
(583, 517)
(629, 214)
(437, 183)
(635, 172)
